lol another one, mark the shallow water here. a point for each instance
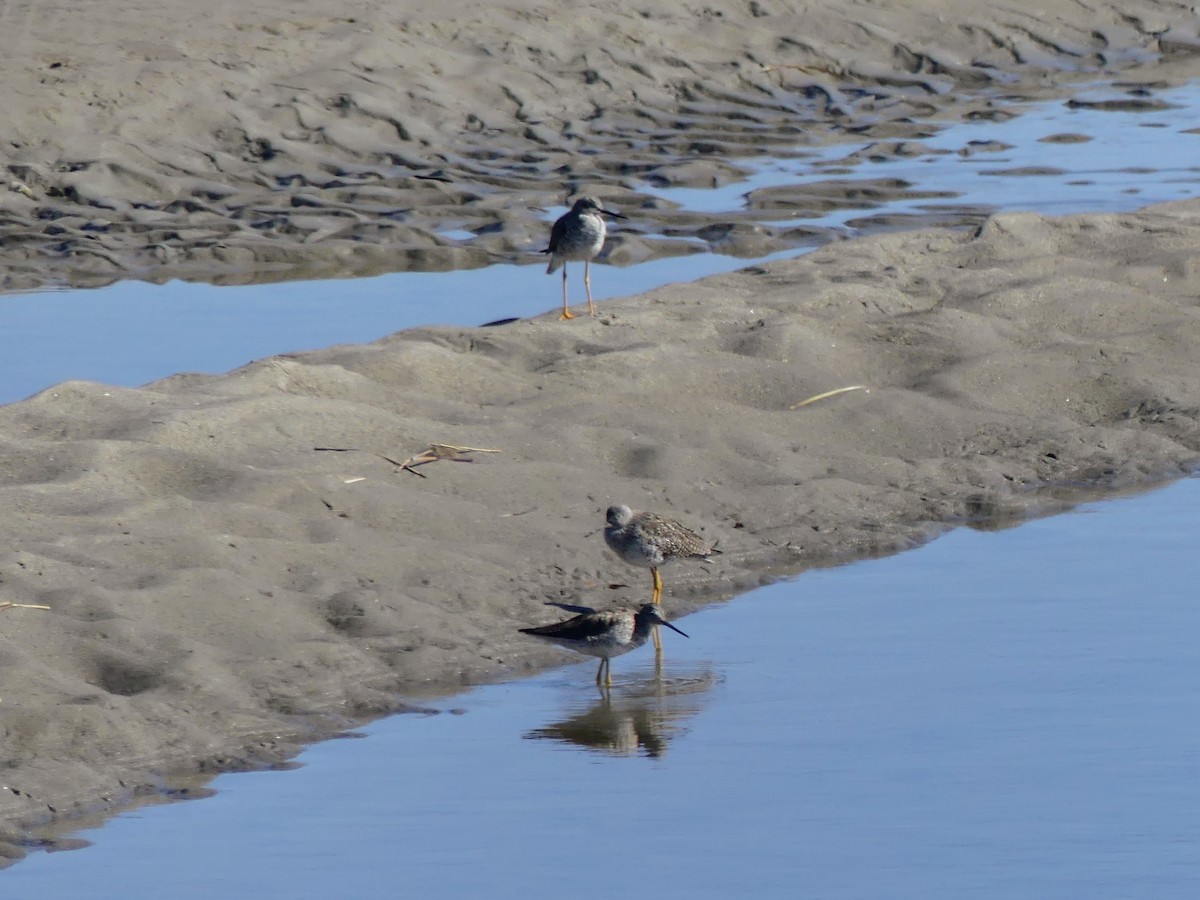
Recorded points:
(997, 714)
(134, 332)
(1050, 158)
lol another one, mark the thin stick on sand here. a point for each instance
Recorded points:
(833, 393)
(449, 452)
(8, 604)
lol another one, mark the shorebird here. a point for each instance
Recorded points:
(604, 633)
(648, 540)
(578, 235)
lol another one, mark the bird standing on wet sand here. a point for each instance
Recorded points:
(604, 633)
(648, 540)
(578, 235)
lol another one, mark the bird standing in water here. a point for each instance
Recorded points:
(578, 235)
(604, 633)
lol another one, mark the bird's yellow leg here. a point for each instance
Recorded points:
(566, 313)
(587, 283)
(657, 598)
(604, 674)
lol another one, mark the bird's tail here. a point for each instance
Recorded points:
(571, 607)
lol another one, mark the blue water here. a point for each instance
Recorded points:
(133, 332)
(995, 715)
(1130, 160)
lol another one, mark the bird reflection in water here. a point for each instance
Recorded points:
(642, 720)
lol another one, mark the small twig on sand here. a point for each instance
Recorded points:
(450, 452)
(8, 604)
(399, 465)
(833, 393)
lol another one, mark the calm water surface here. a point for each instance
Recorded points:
(997, 714)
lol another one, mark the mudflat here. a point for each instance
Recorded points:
(220, 591)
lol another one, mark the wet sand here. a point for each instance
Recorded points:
(220, 592)
(298, 140)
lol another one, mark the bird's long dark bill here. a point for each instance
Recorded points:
(609, 212)
(673, 628)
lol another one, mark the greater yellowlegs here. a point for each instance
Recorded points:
(604, 633)
(648, 540)
(578, 235)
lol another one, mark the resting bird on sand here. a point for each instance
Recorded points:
(604, 633)
(648, 540)
(578, 235)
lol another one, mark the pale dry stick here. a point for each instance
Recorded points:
(397, 464)
(833, 393)
(8, 604)
(450, 452)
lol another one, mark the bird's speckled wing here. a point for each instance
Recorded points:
(672, 538)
